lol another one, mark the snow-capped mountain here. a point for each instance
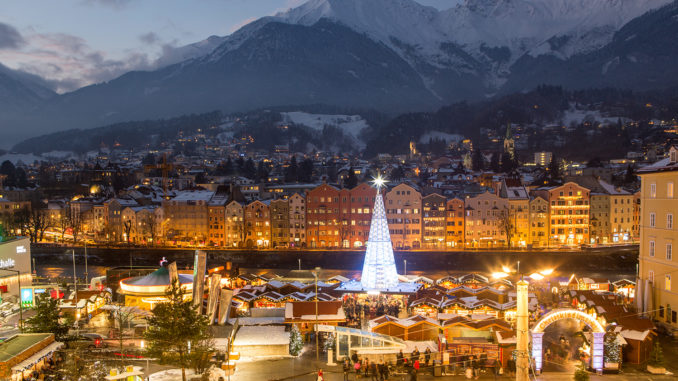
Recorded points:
(393, 56)
(496, 33)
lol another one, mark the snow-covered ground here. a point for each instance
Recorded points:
(350, 124)
(15, 158)
(175, 374)
(438, 135)
(577, 116)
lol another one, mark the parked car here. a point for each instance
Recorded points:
(86, 340)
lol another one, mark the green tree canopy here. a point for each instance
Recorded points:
(176, 333)
(46, 318)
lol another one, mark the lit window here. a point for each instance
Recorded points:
(669, 190)
(667, 282)
(653, 190)
(650, 276)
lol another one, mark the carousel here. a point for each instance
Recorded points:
(145, 292)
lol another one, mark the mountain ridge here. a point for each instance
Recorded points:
(391, 55)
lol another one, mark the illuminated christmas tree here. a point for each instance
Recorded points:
(379, 270)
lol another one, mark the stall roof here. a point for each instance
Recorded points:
(20, 343)
(31, 360)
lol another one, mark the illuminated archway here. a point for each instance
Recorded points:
(568, 313)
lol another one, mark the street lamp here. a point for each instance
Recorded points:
(21, 304)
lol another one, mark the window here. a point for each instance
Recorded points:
(669, 251)
(661, 311)
(669, 221)
(667, 282)
(651, 249)
(653, 190)
(652, 219)
(650, 276)
(669, 190)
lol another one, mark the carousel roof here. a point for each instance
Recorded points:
(159, 277)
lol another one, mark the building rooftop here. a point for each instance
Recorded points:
(15, 345)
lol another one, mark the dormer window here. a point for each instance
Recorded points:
(672, 155)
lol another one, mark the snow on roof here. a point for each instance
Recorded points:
(200, 195)
(261, 335)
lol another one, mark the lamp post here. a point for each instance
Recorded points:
(405, 264)
(522, 316)
(21, 304)
(317, 345)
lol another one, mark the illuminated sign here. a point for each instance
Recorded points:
(39, 291)
(27, 296)
(20, 249)
(7, 263)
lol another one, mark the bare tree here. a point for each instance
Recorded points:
(121, 319)
(127, 226)
(36, 223)
(63, 222)
(75, 222)
(150, 227)
(507, 226)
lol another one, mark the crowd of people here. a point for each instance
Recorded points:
(360, 310)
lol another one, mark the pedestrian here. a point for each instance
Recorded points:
(413, 375)
(347, 369)
(416, 365)
(415, 354)
(366, 368)
(374, 369)
(356, 366)
(427, 355)
(320, 375)
(399, 359)
(354, 357)
(476, 367)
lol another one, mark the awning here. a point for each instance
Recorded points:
(29, 362)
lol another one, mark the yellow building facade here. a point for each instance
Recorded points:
(539, 222)
(658, 268)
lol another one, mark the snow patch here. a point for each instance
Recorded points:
(261, 335)
(438, 135)
(577, 116)
(351, 125)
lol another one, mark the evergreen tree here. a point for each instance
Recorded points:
(397, 173)
(249, 170)
(477, 161)
(176, 333)
(8, 169)
(292, 171)
(306, 171)
(262, 171)
(630, 177)
(508, 164)
(554, 173)
(656, 355)
(351, 180)
(296, 343)
(46, 318)
(494, 163)
(612, 350)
